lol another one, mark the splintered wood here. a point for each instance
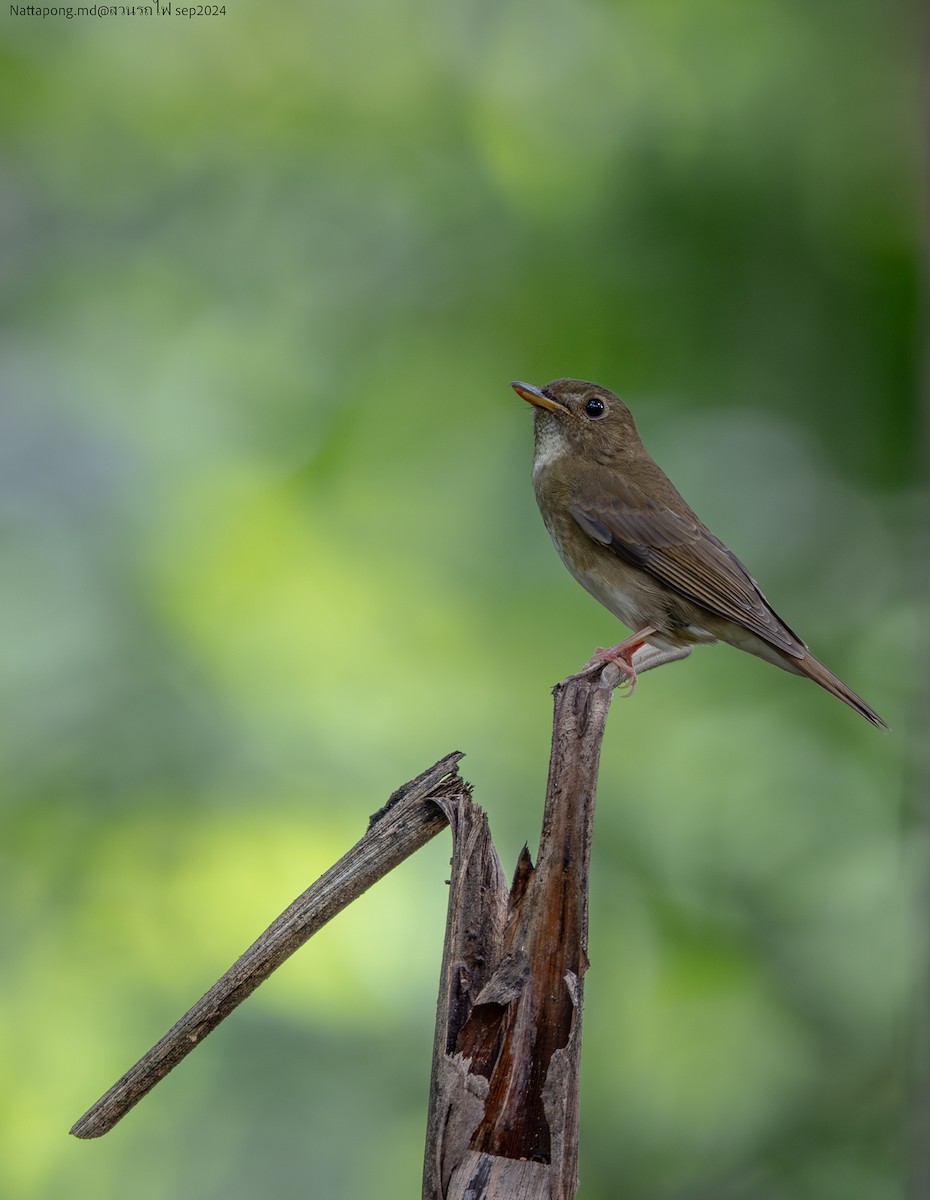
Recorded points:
(503, 1113)
(503, 1119)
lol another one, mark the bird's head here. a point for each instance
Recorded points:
(582, 419)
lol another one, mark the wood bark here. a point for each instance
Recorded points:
(503, 1114)
(406, 822)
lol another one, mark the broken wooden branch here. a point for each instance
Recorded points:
(503, 1112)
(408, 821)
(503, 1116)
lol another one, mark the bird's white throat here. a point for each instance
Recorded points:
(550, 445)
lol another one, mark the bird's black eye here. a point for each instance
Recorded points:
(595, 407)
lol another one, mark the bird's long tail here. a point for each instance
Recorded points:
(813, 669)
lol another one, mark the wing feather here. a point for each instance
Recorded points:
(679, 551)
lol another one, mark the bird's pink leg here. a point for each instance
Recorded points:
(622, 655)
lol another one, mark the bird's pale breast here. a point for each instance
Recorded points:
(628, 592)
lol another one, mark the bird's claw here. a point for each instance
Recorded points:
(604, 658)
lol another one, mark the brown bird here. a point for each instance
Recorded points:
(629, 538)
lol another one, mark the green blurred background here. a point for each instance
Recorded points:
(270, 548)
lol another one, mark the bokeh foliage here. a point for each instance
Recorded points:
(270, 548)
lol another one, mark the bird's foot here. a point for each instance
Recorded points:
(621, 656)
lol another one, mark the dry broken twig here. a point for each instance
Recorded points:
(503, 1114)
(503, 1118)
(408, 821)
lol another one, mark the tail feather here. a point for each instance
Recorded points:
(813, 669)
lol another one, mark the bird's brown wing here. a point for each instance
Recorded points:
(680, 552)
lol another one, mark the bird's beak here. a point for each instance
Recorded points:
(534, 395)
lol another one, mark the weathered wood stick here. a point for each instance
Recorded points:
(411, 817)
(503, 1118)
